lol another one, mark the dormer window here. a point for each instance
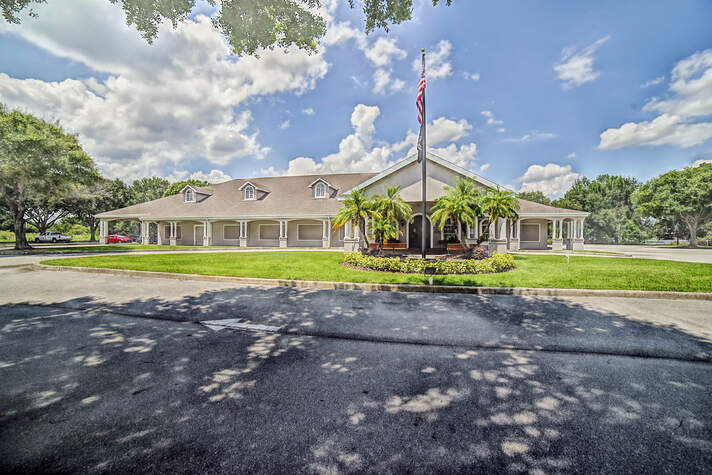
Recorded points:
(320, 190)
(189, 196)
(249, 192)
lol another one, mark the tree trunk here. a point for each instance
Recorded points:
(362, 227)
(459, 235)
(92, 230)
(692, 227)
(19, 225)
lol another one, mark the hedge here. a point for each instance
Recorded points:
(496, 263)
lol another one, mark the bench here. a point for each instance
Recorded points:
(389, 246)
(456, 246)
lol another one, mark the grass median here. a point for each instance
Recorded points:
(576, 272)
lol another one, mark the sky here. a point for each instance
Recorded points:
(531, 95)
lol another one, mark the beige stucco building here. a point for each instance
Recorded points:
(296, 211)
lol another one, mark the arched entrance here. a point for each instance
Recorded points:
(415, 230)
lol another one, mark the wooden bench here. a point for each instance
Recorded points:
(456, 246)
(389, 246)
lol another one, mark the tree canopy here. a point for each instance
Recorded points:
(247, 25)
(685, 194)
(608, 199)
(39, 164)
(535, 196)
(147, 189)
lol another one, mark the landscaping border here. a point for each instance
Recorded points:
(366, 286)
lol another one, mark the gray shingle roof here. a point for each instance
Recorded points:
(287, 196)
(531, 207)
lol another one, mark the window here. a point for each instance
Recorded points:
(189, 195)
(178, 232)
(231, 231)
(250, 192)
(268, 232)
(320, 190)
(340, 233)
(530, 232)
(309, 232)
(450, 231)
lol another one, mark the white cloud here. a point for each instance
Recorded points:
(681, 117)
(533, 136)
(358, 81)
(700, 162)
(284, 125)
(308, 111)
(360, 151)
(384, 84)
(471, 76)
(490, 118)
(484, 167)
(383, 52)
(215, 176)
(571, 156)
(437, 63)
(501, 130)
(575, 67)
(551, 179)
(653, 82)
(160, 104)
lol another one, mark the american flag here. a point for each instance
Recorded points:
(420, 99)
(420, 102)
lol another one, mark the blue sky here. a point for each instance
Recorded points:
(529, 94)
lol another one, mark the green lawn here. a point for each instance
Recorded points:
(67, 249)
(532, 270)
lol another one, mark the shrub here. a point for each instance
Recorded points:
(496, 263)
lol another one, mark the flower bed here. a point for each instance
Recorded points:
(496, 263)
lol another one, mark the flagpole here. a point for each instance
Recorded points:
(423, 170)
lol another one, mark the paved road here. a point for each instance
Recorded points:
(657, 252)
(108, 374)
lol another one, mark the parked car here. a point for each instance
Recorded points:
(118, 239)
(53, 236)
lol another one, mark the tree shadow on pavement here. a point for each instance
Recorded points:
(96, 387)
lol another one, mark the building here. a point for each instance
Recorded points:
(296, 211)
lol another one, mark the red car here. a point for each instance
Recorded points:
(118, 239)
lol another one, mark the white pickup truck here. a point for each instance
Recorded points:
(53, 236)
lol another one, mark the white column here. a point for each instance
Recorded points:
(348, 230)
(492, 231)
(582, 228)
(519, 227)
(511, 230)
(477, 228)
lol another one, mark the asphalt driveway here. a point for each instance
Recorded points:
(103, 374)
(703, 255)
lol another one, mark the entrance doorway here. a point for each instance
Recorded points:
(198, 235)
(415, 230)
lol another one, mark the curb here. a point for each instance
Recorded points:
(370, 287)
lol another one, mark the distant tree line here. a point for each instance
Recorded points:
(48, 182)
(674, 205)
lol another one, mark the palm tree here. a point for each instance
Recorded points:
(393, 208)
(500, 204)
(461, 204)
(355, 210)
(383, 228)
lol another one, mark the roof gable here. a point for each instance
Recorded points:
(431, 157)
